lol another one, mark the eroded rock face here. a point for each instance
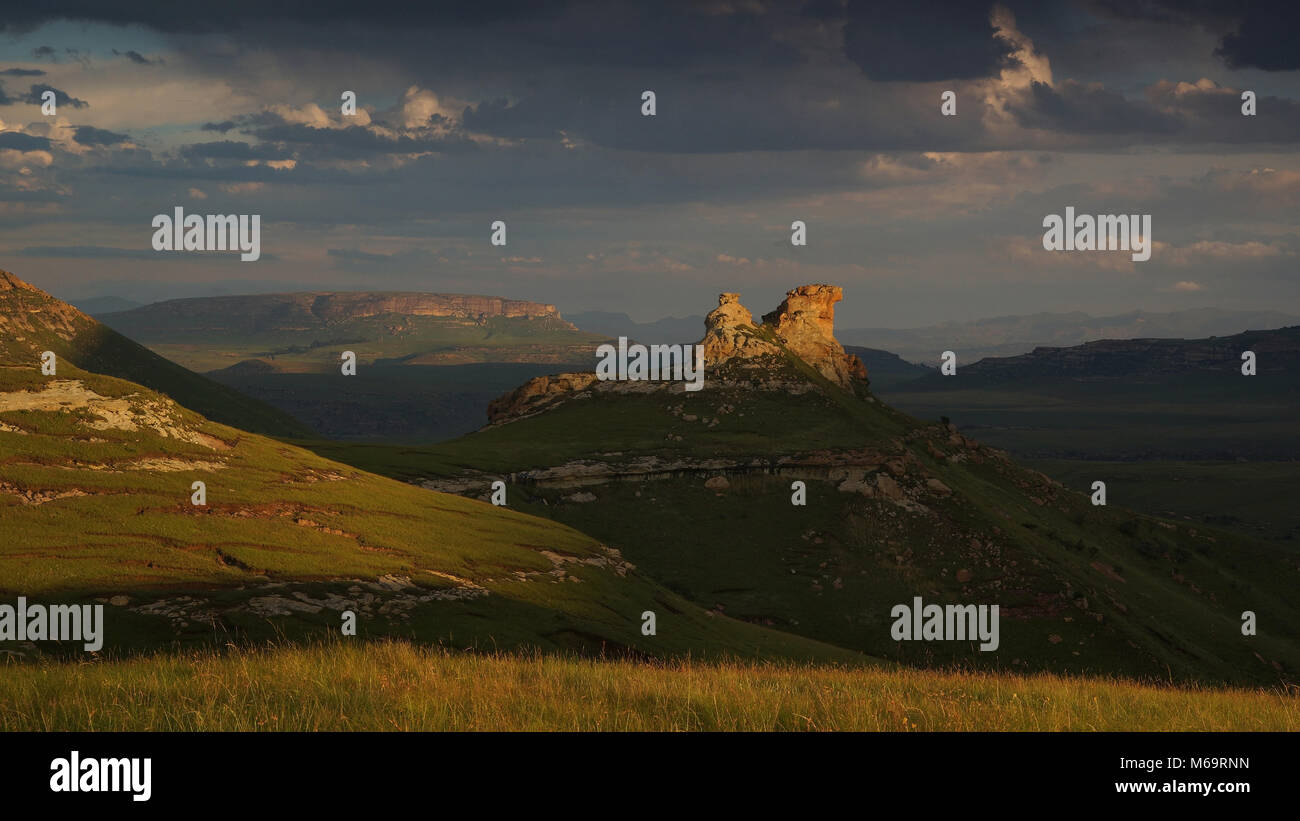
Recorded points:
(805, 323)
(537, 393)
(339, 306)
(29, 310)
(729, 333)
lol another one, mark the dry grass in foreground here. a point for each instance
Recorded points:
(397, 686)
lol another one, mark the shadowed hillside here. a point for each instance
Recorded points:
(97, 498)
(696, 489)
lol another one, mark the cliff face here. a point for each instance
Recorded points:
(308, 310)
(734, 347)
(805, 324)
(334, 306)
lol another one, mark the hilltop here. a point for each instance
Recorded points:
(96, 481)
(32, 321)
(696, 489)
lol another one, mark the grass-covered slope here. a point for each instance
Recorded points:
(32, 321)
(394, 686)
(95, 496)
(896, 508)
(96, 505)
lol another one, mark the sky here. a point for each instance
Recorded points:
(767, 111)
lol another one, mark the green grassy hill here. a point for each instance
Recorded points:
(96, 478)
(32, 321)
(696, 490)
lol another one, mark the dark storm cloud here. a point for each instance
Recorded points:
(923, 40)
(1076, 108)
(22, 72)
(89, 135)
(61, 98)
(138, 58)
(23, 142)
(1265, 37)
(198, 18)
(1254, 33)
(222, 127)
(637, 33)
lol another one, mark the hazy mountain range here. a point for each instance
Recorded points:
(1011, 335)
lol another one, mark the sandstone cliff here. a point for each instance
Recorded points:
(316, 310)
(737, 353)
(805, 324)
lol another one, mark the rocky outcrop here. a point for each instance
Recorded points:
(537, 393)
(27, 311)
(737, 353)
(805, 324)
(729, 333)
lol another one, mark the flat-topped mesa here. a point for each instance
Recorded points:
(306, 308)
(344, 305)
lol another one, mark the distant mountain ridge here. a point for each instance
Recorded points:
(32, 321)
(308, 331)
(1276, 351)
(257, 312)
(1011, 335)
(670, 330)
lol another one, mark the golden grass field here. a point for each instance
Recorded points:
(398, 686)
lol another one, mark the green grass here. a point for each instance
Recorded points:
(397, 686)
(93, 516)
(1245, 497)
(1083, 590)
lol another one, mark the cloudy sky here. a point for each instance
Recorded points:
(768, 111)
